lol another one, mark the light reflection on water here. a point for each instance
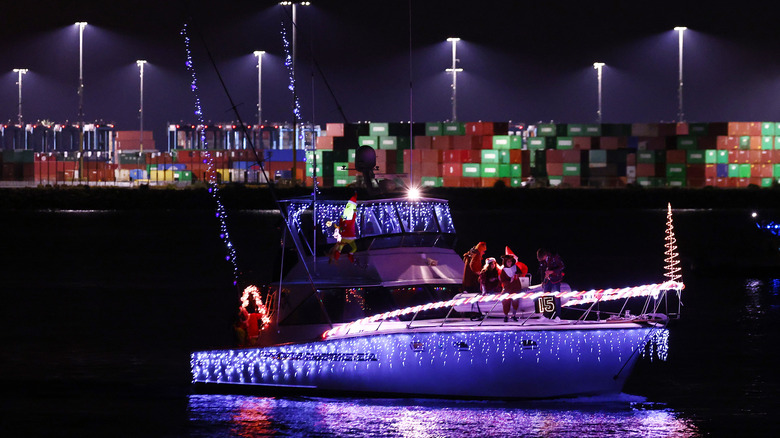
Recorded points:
(622, 415)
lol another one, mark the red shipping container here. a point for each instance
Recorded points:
(441, 142)
(754, 156)
(695, 171)
(742, 157)
(491, 182)
(764, 170)
(554, 169)
(554, 156)
(451, 181)
(645, 169)
(753, 129)
(696, 182)
(324, 143)
(472, 156)
(334, 129)
(766, 157)
(676, 156)
(582, 143)
(571, 156)
(755, 142)
(737, 128)
(726, 142)
(422, 142)
(471, 182)
(651, 143)
(708, 142)
(572, 181)
(516, 156)
(453, 156)
(710, 171)
(681, 128)
(451, 169)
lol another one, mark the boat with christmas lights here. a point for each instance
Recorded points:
(390, 319)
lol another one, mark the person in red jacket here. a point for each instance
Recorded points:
(472, 264)
(510, 276)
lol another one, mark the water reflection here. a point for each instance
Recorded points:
(625, 416)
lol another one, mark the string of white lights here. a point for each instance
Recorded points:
(574, 298)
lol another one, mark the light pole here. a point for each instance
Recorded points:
(454, 72)
(295, 97)
(81, 25)
(680, 116)
(598, 66)
(140, 64)
(20, 71)
(259, 54)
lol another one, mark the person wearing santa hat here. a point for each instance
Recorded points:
(472, 265)
(510, 276)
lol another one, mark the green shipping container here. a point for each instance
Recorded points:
(733, 170)
(646, 157)
(744, 170)
(454, 128)
(723, 156)
(490, 156)
(555, 180)
(369, 140)
(550, 130)
(711, 156)
(767, 182)
(698, 129)
(431, 181)
(489, 171)
(593, 130)
(471, 170)
(538, 143)
(504, 170)
(393, 142)
(674, 181)
(696, 157)
(767, 142)
(675, 171)
(433, 129)
(343, 181)
(687, 142)
(515, 142)
(504, 157)
(564, 143)
(768, 128)
(516, 182)
(650, 181)
(515, 170)
(776, 170)
(501, 142)
(575, 130)
(572, 169)
(744, 142)
(378, 129)
(777, 142)
(182, 175)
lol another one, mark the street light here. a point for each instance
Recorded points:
(680, 116)
(598, 66)
(259, 54)
(81, 25)
(140, 64)
(295, 98)
(454, 72)
(20, 71)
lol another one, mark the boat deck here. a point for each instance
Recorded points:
(487, 324)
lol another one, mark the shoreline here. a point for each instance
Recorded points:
(240, 197)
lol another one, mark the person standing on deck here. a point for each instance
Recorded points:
(472, 265)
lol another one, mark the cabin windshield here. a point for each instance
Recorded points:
(350, 304)
(378, 224)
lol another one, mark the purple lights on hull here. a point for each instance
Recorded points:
(508, 363)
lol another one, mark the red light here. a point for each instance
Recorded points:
(234, 126)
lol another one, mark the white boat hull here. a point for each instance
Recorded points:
(473, 362)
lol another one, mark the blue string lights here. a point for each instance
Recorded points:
(554, 362)
(672, 257)
(288, 62)
(211, 174)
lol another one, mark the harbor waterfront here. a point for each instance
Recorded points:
(107, 292)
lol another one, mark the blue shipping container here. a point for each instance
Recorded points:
(722, 170)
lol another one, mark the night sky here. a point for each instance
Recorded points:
(522, 61)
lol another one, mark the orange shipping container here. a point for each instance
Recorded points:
(334, 129)
(726, 142)
(422, 142)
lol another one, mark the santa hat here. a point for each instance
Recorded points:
(353, 199)
(508, 254)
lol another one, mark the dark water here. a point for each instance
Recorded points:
(101, 309)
